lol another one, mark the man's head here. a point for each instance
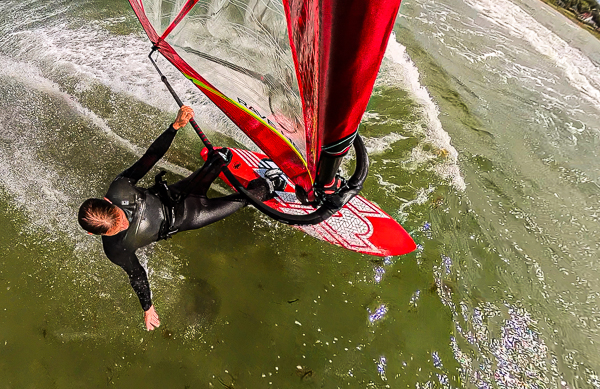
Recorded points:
(100, 217)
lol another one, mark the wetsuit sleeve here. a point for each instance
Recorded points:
(155, 152)
(129, 262)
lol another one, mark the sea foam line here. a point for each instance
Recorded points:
(30, 76)
(409, 78)
(93, 55)
(578, 69)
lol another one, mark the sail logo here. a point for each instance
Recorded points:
(255, 111)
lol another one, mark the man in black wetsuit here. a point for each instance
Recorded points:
(130, 217)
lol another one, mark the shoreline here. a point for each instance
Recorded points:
(573, 17)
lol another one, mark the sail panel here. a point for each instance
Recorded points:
(294, 75)
(338, 46)
(237, 53)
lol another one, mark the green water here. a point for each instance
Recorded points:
(501, 288)
(245, 295)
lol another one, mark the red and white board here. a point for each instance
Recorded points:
(359, 226)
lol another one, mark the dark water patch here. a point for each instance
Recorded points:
(465, 115)
(200, 302)
(483, 164)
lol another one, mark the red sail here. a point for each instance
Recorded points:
(262, 131)
(338, 46)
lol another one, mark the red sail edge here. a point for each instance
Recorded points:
(184, 11)
(338, 46)
(267, 139)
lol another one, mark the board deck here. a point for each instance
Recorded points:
(359, 226)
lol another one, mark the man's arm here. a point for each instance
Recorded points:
(159, 147)
(138, 279)
(155, 152)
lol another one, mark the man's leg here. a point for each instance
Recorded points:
(196, 210)
(199, 211)
(199, 181)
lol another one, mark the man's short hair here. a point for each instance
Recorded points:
(97, 216)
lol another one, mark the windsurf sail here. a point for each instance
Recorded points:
(294, 75)
(338, 46)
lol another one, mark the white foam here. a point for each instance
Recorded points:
(41, 192)
(380, 145)
(92, 55)
(578, 69)
(408, 76)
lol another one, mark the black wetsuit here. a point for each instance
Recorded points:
(152, 217)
